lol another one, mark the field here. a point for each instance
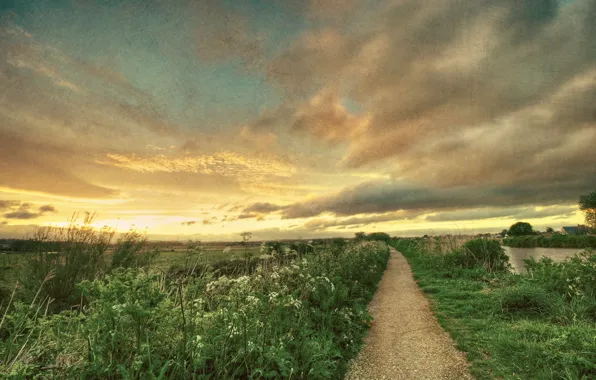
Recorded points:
(91, 310)
(540, 325)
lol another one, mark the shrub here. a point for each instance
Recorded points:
(482, 252)
(574, 277)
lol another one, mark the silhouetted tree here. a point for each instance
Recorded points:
(520, 229)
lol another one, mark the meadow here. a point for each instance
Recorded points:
(289, 313)
(538, 325)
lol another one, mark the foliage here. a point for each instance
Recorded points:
(373, 236)
(587, 204)
(485, 253)
(538, 325)
(80, 256)
(131, 251)
(520, 229)
(549, 230)
(570, 278)
(554, 241)
(305, 319)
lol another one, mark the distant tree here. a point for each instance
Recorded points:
(503, 233)
(549, 230)
(520, 229)
(587, 203)
(381, 236)
(360, 236)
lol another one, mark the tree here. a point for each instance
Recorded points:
(503, 233)
(520, 229)
(549, 230)
(360, 236)
(587, 203)
(380, 236)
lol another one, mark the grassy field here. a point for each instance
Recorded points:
(93, 310)
(536, 326)
(11, 263)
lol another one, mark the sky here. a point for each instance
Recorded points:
(203, 119)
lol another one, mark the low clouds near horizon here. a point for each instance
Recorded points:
(321, 114)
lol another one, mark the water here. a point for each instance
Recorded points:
(517, 255)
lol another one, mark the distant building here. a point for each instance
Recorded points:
(580, 229)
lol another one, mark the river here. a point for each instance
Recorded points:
(517, 255)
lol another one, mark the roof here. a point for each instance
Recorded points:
(574, 229)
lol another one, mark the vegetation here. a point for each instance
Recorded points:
(587, 204)
(554, 241)
(539, 325)
(290, 315)
(373, 236)
(521, 229)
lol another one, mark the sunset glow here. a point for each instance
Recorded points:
(203, 119)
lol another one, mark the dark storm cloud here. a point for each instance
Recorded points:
(390, 196)
(318, 224)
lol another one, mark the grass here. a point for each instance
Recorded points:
(554, 241)
(290, 315)
(514, 326)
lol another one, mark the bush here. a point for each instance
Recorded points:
(574, 277)
(485, 253)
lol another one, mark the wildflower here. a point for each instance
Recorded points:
(273, 296)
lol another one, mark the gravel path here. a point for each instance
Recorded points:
(406, 341)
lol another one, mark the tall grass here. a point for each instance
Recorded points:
(302, 316)
(538, 325)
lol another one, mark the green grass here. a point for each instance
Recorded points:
(511, 326)
(554, 241)
(292, 316)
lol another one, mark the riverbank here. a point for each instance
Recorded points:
(511, 326)
(554, 241)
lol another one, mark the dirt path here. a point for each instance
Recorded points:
(406, 341)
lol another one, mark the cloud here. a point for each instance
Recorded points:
(489, 213)
(494, 91)
(5, 205)
(20, 210)
(42, 167)
(389, 196)
(223, 34)
(325, 119)
(262, 207)
(47, 208)
(189, 223)
(21, 215)
(321, 224)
